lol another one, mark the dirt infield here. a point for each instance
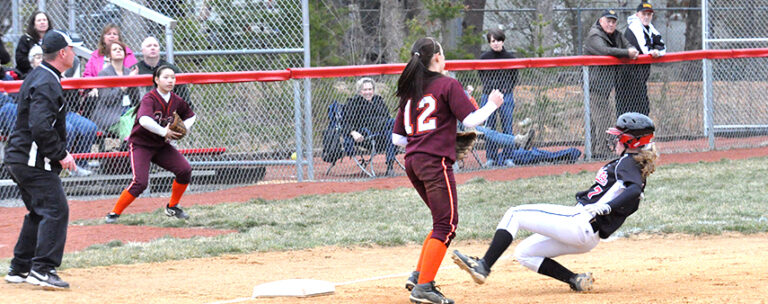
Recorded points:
(661, 269)
(646, 269)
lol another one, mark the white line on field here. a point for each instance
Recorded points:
(389, 276)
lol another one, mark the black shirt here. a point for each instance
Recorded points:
(620, 184)
(39, 138)
(503, 79)
(361, 113)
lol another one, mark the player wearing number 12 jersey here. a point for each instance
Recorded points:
(430, 105)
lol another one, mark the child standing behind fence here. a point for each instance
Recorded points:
(150, 141)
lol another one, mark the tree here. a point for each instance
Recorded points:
(473, 24)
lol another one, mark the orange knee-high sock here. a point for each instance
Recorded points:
(176, 191)
(423, 250)
(126, 198)
(433, 257)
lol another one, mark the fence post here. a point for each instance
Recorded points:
(169, 43)
(15, 24)
(579, 25)
(706, 78)
(297, 130)
(307, 91)
(71, 16)
(587, 115)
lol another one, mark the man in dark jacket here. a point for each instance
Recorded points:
(631, 88)
(35, 154)
(604, 39)
(150, 48)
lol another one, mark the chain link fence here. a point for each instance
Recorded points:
(209, 36)
(278, 131)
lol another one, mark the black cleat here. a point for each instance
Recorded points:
(428, 293)
(177, 212)
(15, 276)
(46, 279)
(476, 267)
(581, 282)
(111, 218)
(412, 281)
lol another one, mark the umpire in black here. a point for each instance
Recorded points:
(35, 154)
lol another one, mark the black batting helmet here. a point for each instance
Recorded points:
(633, 129)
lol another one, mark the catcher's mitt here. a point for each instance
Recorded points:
(178, 125)
(464, 143)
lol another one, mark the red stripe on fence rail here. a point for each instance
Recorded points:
(384, 69)
(103, 155)
(146, 80)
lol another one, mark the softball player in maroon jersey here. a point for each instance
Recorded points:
(150, 142)
(430, 105)
(599, 212)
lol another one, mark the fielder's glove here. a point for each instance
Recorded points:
(598, 209)
(178, 125)
(464, 143)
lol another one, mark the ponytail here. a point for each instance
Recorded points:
(646, 159)
(410, 85)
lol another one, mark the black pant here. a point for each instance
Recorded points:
(41, 242)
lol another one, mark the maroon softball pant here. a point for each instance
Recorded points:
(432, 176)
(166, 156)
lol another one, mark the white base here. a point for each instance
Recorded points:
(294, 288)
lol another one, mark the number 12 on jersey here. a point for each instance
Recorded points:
(424, 122)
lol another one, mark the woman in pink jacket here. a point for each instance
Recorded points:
(97, 62)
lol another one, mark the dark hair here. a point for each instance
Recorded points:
(410, 85)
(122, 45)
(496, 34)
(159, 70)
(103, 51)
(31, 25)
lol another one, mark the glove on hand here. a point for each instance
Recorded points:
(598, 209)
(178, 125)
(464, 143)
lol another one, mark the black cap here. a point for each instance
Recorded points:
(55, 40)
(645, 6)
(610, 14)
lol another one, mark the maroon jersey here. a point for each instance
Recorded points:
(430, 125)
(153, 105)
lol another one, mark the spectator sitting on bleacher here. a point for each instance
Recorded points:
(114, 101)
(99, 59)
(81, 132)
(38, 24)
(150, 49)
(365, 117)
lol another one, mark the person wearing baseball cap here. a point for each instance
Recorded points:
(632, 89)
(604, 39)
(55, 40)
(35, 154)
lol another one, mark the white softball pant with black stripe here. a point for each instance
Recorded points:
(557, 229)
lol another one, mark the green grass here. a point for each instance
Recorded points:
(699, 198)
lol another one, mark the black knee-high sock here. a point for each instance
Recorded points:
(553, 269)
(500, 242)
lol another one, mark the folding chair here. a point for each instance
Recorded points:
(363, 153)
(336, 145)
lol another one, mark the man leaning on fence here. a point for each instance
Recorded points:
(631, 89)
(604, 39)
